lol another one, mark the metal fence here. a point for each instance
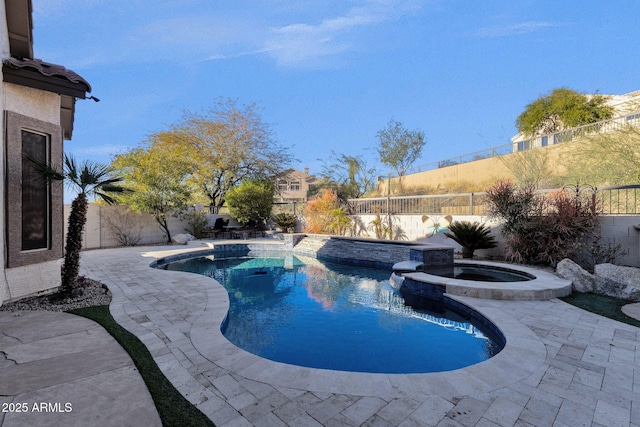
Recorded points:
(620, 200)
(604, 126)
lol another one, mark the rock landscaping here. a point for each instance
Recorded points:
(608, 279)
(92, 294)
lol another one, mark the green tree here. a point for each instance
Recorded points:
(611, 158)
(227, 145)
(398, 147)
(251, 200)
(87, 179)
(562, 108)
(157, 175)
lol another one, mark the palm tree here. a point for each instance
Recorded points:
(88, 179)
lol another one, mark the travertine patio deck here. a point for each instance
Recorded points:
(562, 366)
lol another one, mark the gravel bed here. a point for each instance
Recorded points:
(92, 294)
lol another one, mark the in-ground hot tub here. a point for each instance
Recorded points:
(432, 272)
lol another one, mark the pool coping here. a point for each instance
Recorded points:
(521, 356)
(544, 286)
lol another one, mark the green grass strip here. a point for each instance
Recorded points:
(603, 305)
(173, 408)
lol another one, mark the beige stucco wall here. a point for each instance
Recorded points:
(19, 282)
(31, 102)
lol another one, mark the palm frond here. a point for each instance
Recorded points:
(45, 171)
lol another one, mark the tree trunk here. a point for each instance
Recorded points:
(164, 226)
(73, 246)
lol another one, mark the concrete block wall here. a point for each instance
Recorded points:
(621, 229)
(97, 235)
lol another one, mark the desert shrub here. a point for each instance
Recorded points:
(325, 215)
(448, 187)
(380, 227)
(124, 224)
(542, 229)
(196, 222)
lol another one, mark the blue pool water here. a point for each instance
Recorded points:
(308, 312)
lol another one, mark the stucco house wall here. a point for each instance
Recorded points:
(37, 105)
(18, 282)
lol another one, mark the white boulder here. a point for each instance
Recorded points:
(581, 279)
(618, 281)
(182, 239)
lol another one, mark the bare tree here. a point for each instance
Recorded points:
(227, 145)
(124, 224)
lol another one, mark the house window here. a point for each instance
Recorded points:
(36, 194)
(294, 186)
(545, 141)
(34, 219)
(524, 145)
(283, 186)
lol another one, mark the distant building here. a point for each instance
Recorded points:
(38, 104)
(294, 185)
(626, 111)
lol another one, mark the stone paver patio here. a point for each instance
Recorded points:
(562, 366)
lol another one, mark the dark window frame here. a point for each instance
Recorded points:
(14, 125)
(36, 193)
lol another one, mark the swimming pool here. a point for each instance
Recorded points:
(303, 311)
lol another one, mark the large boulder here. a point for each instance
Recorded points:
(581, 279)
(181, 239)
(618, 281)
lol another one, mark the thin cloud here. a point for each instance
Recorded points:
(99, 150)
(300, 44)
(514, 29)
(207, 37)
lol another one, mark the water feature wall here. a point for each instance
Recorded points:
(369, 252)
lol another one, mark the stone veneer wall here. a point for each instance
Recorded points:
(364, 252)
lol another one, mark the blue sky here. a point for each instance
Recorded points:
(329, 74)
